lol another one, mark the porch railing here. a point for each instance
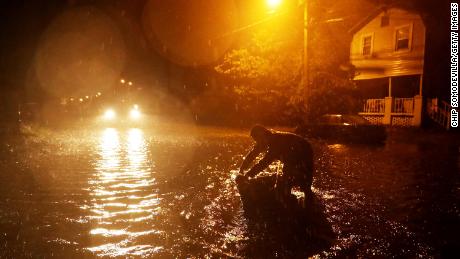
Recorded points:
(403, 105)
(374, 106)
(394, 111)
(439, 111)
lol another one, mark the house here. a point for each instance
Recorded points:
(387, 51)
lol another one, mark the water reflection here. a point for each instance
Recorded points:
(123, 197)
(109, 150)
(337, 147)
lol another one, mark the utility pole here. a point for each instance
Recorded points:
(305, 65)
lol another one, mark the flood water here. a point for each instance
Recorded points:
(143, 193)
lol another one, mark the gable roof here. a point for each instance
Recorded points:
(376, 12)
(368, 18)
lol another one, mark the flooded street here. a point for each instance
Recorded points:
(150, 193)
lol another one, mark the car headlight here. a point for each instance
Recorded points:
(109, 114)
(134, 114)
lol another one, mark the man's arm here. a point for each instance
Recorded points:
(250, 157)
(267, 160)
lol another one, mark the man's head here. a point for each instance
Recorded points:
(260, 134)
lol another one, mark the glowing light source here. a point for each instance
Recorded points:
(109, 114)
(273, 4)
(122, 81)
(135, 114)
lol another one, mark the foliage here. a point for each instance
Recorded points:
(263, 65)
(262, 79)
(333, 94)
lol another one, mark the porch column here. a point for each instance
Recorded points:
(417, 119)
(387, 114)
(420, 85)
(388, 105)
(389, 86)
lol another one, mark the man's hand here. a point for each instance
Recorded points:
(249, 158)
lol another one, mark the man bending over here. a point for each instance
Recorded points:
(292, 150)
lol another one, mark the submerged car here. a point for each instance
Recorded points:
(344, 128)
(123, 116)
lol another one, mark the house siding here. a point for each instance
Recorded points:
(384, 61)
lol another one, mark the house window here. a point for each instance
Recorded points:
(384, 21)
(367, 45)
(403, 38)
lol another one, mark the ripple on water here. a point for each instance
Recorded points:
(124, 195)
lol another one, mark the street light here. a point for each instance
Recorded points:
(273, 4)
